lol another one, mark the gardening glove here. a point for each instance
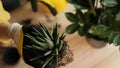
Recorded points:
(53, 6)
(15, 32)
(4, 17)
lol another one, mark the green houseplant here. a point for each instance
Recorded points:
(97, 19)
(43, 48)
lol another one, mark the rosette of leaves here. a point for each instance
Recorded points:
(43, 48)
(99, 22)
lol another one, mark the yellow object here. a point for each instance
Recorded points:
(4, 15)
(59, 5)
(43, 7)
(20, 43)
(5, 41)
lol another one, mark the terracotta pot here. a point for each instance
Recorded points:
(96, 43)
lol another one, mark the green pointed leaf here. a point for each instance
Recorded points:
(41, 39)
(39, 48)
(55, 33)
(60, 46)
(50, 43)
(35, 33)
(44, 45)
(46, 35)
(35, 47)
(37, 57)
(62, 36)
(48, 53)
(72, 28)
(38, 32)
(72, 17)
(57, 56)
(47, 31)
(57, 42)
(47, 61)
(82, 31)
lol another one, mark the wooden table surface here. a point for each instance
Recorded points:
(85, 56)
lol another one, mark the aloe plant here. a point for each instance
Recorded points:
(98, 19)
(43, 48)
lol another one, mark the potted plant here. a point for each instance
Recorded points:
(43, 48)
(96, 19)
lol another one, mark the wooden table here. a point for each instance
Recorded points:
(85, 56)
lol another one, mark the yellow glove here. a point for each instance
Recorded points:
(59, 4)
(54, 6)
(4, 15)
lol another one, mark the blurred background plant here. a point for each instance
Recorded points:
(97, 19)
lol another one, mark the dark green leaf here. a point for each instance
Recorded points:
(79, 7)
(56, 55)
(83, 17)
(72, 28)
(62, 36)
(37, 57)
(81, 4)
(72, 17)
(41, 39)
(61, 45)
(71, 1)
(101, 31)
(116, 40)
(82, 31)
(48, 53)
(50, 43)
(118, 17)
(38, 32)
(47, 61)
(47, 31)
(44, 45)
(111, 37)
(109, 3)
(55, 33)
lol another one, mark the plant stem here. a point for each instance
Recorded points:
(92, 7)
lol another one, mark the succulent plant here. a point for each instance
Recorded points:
(43, 48)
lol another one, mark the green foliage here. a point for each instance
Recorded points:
(81, 4)
(71, 17)
(97, 22)
(44, 45)
(72, 28)
(109, 3)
